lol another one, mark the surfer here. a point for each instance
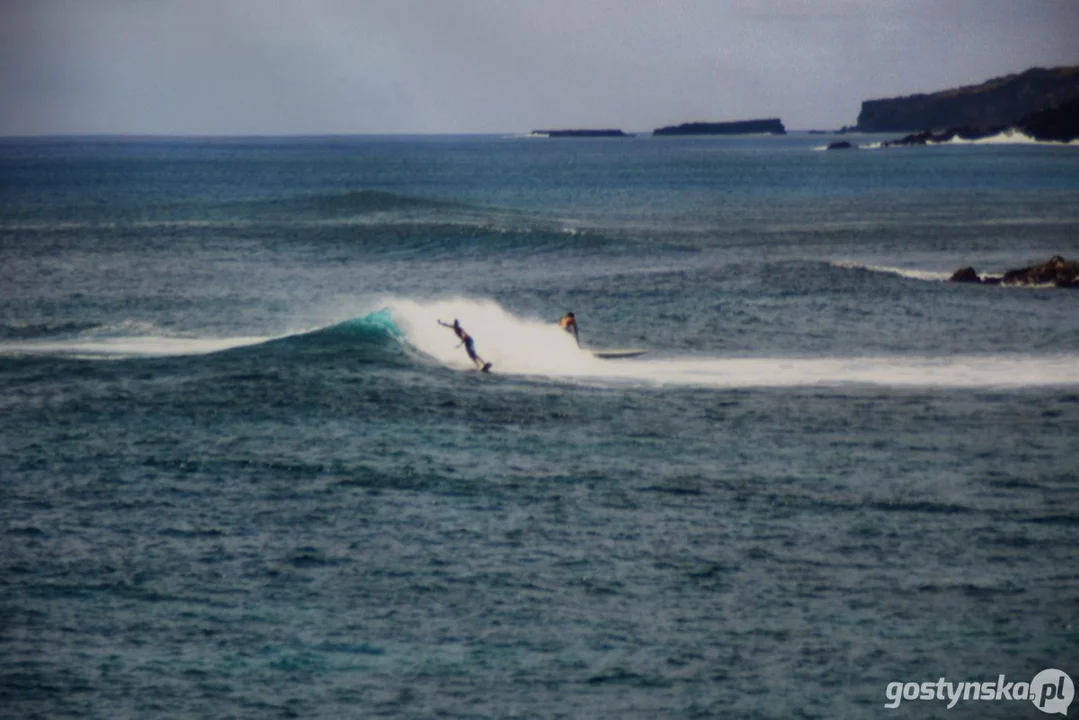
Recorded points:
(569, 324)
(470, 345)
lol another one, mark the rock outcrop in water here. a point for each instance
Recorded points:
(999, 102)
(1057, 271)
(770, 126)
(967, 274)
(928, 137)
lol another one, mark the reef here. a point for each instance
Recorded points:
(1057, 272)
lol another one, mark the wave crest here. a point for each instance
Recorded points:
(404, 333)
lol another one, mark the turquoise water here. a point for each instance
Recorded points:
(246, 474)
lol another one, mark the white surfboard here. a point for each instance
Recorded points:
(615, 354)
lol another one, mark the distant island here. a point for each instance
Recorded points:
(1000, 102)
(607, 132)
(1038, 102)
(771, 126)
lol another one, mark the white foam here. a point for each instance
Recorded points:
(538, 347)
(1006, 137)
(913, 273)
(533, 346)
(128, 347)
(1010, 136)
(963, 371)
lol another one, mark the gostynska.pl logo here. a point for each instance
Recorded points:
(1051, 691)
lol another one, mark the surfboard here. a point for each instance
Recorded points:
(486, 367)
(615, 354)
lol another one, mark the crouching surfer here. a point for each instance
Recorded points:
(569, 324)
(469, 343)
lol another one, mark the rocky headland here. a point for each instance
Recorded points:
(1058, 124)
(999, 102)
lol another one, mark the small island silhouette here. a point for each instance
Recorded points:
(770, 126)
(577, 133)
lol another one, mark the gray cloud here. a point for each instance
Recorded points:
(339, 66)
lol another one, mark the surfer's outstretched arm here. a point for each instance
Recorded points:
(451, 327)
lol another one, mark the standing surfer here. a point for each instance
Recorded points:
(569, 324)
(470, 345)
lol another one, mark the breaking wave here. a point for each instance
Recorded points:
(405, 332)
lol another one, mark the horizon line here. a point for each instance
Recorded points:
(330, 135)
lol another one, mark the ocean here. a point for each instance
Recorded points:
(245, 473)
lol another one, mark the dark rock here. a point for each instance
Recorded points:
(1057, 271)
(966, 274)
(771, 126)
(921, 138)
(841, 145)
(926, 136)
(998, 102)
(606, 132)
(1057, 124)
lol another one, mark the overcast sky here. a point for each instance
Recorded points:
(472, 66)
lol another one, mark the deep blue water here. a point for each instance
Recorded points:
(244, 473)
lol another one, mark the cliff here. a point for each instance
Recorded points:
(1058, 124)
(995, 103)
(771, 126)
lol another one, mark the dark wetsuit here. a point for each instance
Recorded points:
(470, 345)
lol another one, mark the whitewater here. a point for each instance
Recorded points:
(535, 347)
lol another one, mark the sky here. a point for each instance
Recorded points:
(305, 67)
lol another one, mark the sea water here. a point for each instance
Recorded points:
(245, 473)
